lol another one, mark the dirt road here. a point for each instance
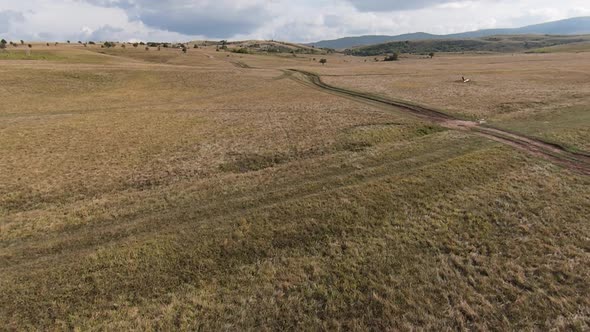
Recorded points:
(579, 162)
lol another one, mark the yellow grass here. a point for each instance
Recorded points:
(155, 190)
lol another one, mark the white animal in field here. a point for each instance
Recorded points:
(465, 80)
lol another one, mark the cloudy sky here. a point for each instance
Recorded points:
(301, 20)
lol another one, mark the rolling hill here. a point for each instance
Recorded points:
(572, 26)
(500, 44)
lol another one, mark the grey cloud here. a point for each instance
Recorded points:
(216, 19)
(7, 17)
(396, 5)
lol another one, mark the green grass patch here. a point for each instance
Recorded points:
(34, 55)
(567, 127)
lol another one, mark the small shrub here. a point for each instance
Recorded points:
(323, 61)
(240, 50)
(393, 57)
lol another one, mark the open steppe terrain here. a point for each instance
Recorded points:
(222, 191)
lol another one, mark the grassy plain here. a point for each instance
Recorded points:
(157, 190)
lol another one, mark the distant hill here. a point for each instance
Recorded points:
(272, 46)
(501, 43)
(572, 26)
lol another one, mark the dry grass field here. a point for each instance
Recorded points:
(155, 190)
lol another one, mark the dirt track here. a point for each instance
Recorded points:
(575, 161)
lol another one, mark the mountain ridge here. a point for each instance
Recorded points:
(570, 26)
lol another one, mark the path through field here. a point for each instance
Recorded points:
(576, 161)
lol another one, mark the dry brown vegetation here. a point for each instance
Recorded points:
(504, 89)
(158, 190)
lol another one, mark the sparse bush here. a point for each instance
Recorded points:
(195, 46)
(147, 48)
(22, 42)
(123, 46)
(431, 55)
(240, 50)
(68, 41)
(30, 46)
(141, 43)
(108, 44)
(393, 57)
(323, 61)
(2, 44)
(135, 45)
(91, 43)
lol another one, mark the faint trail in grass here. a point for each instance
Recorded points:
(242, 65)
(211, 210)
